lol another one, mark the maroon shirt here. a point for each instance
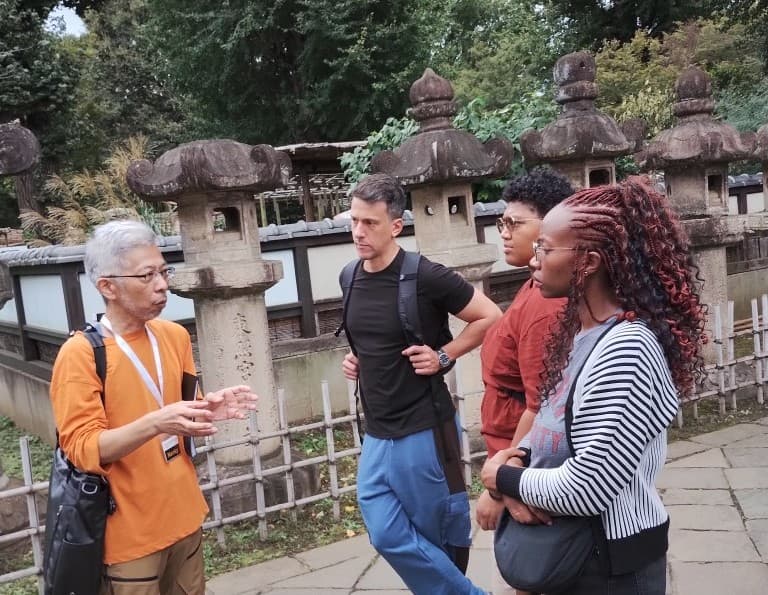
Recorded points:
(512, 358)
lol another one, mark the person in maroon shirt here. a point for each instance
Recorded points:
(512, 351)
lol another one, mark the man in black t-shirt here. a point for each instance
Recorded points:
(410, 487)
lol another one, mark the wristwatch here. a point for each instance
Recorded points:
(443, 359)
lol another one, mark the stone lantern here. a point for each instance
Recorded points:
(694, 156)
(213, 183)
(761, 154)
(19, 149)
(582, 143)
(438, 166)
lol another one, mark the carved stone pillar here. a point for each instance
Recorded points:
(213, 183)
(694, 156)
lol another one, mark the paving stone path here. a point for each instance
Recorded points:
(715, 487)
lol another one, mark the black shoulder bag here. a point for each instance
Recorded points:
(78, 506)
(548, 558)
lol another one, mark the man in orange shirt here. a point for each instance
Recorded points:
(134, 439)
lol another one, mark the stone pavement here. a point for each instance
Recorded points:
(715, 487)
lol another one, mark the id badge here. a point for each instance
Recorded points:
(171, 448)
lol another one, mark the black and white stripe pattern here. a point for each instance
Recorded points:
(624, 400)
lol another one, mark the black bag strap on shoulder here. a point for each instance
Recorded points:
(94, 337)
(407, 299)
(347, 279)
(596, 523)
(407, 302)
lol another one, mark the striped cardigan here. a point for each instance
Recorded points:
(623, 401)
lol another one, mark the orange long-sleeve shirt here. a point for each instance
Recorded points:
(158, 502)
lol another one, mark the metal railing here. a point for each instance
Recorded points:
(730, 373)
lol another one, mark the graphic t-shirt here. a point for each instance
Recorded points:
(547, 440)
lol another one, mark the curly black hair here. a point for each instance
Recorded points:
(541, 189)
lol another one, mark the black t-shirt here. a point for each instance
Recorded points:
(396, 401)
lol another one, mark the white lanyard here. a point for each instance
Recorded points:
(155, 389)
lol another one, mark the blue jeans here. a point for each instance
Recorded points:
(650, 580)
(412, 519)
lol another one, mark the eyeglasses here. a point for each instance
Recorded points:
(512, 222)
(166, 273)
(538, 250)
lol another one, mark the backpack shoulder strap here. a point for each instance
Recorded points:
(91, 333)
(346, 280)
(407, 299)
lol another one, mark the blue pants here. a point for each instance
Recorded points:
(412, 519)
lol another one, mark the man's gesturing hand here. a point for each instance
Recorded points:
(232, 402)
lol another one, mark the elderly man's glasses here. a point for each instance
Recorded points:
(510, 223)
(538, 250)
(166, 273)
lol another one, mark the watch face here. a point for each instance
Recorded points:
(443, 359)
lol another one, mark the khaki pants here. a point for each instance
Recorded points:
(176, 570)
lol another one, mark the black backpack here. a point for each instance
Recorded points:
(407, 301)
(78, 506)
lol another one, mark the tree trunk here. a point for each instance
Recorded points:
(25, 192)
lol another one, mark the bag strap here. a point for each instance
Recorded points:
(94, 337)
(569, 402)
(348, 274)
(596, 524)
(407, 299)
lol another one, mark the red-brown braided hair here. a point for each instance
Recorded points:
(645, 252)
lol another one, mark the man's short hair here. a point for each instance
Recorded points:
(110, 242)
(541, 189)
(382, 187)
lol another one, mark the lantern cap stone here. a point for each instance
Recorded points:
(698, 138)
(439, 153)
(581, 131)
(19, 149)
(210, 166)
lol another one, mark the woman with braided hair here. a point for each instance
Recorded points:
(626, 348)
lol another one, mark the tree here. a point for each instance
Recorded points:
(121, 91)
(86, 199)
(281, 71)
(593, 21)
(513, 58)
(637, 78)
(37, 79)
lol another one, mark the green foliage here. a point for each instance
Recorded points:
(37, 77)
(593, 21)
(40, 452)
(120, 92)
(509, 121)
(509, 59)
(745, 110)
(637, 78)
(394, 132)
(9, 209)
(292, 70)
(85, 199)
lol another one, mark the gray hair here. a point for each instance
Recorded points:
(105, 251)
